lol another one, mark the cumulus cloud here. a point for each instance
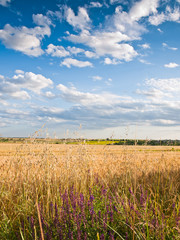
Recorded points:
(23, 39)
(171, 65)
(49, 94)
(145, 46)
(90, 54)
(31, 81)
(143, 8)
(106, 43)
(124, 23)
(68, 62)
(95, 4)
(41, 20)
(18, 85)
(75, 50)
(19, 71)
(57, 51)
(169, 15)
(121, 28)
(4, 3)
(109, 61)
(85, 98)
(103, 107)
(168, 85)
(79, 21)
(10, 90)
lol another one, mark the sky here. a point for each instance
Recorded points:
(91, 69)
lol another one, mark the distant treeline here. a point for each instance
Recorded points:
(166, 142)
(108, 141)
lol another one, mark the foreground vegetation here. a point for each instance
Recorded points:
(89, 192)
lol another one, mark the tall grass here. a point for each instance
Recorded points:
(89, 192)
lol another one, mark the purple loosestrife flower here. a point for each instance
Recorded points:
(111, 236)
(131, 192)
(48, 237)
(70, 234)
(51, 209)
(115, 208)
(132, 206)
(22, 225)
(107, 209)
(32, 226)
(92, 214)
(85, 236)
(17, 236)
(100, 217)
(91, 198)
(173, 206)
(102, 237)
(122, 202)
(82, 208)
(105, 222)
(104, 191)
(90, 191)
(177, 221)
(111, 216)
(153, 222)
(78, 223)
(56, 215)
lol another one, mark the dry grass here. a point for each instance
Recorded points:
(34, 172)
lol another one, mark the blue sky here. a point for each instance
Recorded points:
(111, 66)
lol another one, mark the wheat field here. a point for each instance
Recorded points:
(50, 191)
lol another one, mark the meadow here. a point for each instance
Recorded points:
(67, 191)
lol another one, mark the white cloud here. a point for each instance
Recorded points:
(57, 51)
(75, 50)
(49, 94)
(68, 62)
(108, 109)
(41, 20)
(168, 85)
(90, 54)
(143, 8)
(19, 71)
(23, 39)
(170, 14)
(171, 48)
(118, 1)
(10, 90)
(145, 46)
(23, 95)
(144, 61)
(4, 3)
(171, 65)
(96, 78)
(81, 21)
(106, 43)
(159, 30)
(95, 4)
(153, 93)
(31, 81)
(86, 98)
(109, 61)
(17, 86)
(125, 24)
